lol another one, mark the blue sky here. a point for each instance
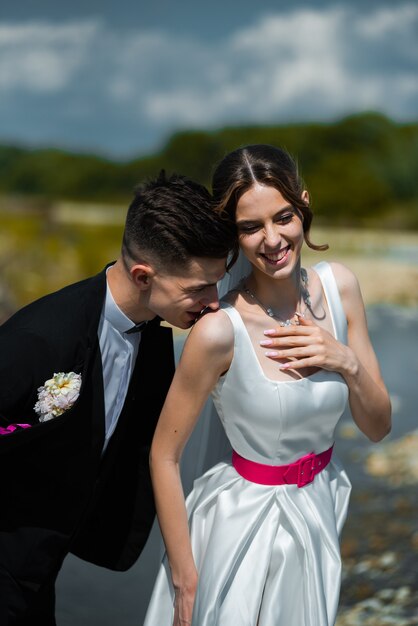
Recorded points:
(119, 77)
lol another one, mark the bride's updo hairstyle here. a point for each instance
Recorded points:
(266, 165)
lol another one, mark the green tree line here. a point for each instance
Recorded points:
(359, 170)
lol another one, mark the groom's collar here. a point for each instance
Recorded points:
(114, 315)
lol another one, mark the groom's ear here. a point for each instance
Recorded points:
(142, 275)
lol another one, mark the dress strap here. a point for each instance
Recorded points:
(332, 294)
(234, 316)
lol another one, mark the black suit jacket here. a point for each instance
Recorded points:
(58, 493)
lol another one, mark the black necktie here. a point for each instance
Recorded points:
(137, 328)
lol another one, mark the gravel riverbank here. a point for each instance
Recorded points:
(380, 541)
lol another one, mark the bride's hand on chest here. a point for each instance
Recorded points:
(307, 345)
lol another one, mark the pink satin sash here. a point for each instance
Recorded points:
(301, 472)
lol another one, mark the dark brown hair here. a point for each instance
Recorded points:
(171, 220)
(266, 165)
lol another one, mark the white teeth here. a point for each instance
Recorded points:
(278, 256)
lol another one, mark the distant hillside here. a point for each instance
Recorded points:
(359, 170)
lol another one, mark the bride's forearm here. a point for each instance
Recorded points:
(369, 403)
(172, 518)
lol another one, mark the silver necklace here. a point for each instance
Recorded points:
(270, 312)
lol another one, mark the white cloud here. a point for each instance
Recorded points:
(305, 64)
(302, 64)
(396, 20)
(43, 57)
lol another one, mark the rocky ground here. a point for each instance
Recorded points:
(380, 541)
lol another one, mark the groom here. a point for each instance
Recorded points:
(74, 472)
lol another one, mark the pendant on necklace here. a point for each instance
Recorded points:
(287, 322)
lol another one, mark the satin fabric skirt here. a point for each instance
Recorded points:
(266, 556)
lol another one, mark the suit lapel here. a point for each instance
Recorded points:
(151, 378)
(153, 371)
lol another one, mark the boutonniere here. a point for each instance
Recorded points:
(57, 395)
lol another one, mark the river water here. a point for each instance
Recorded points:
(91, 596)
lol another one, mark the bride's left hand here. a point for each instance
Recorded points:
(308, 345)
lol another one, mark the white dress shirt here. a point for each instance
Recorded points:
(119, 352)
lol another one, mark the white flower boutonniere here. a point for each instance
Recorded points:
(57, 395)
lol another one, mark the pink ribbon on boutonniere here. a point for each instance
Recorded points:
(12, 428)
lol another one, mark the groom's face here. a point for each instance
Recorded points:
(179, 296)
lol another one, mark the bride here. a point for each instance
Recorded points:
(258, 542)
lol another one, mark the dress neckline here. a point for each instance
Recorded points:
(254, 354)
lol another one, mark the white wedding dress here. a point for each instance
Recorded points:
(268, 555)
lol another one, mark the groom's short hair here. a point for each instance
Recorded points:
(172, 219)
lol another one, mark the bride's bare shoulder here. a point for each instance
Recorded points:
(213, 329)
(347, 281)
